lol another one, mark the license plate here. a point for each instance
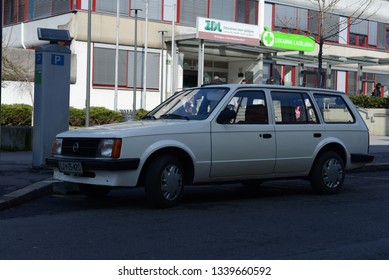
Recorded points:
(70, 167)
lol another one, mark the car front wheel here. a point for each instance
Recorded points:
(164, 182)
(328, 173)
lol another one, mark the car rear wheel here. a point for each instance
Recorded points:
(164, 182)
(328, 173)
(94, 191)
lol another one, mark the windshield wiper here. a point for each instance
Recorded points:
(147, 117)
(173, 116)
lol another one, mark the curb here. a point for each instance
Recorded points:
(371, 167)
(27, 193)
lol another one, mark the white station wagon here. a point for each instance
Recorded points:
(219, 133)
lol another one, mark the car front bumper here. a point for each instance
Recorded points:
(97, 164)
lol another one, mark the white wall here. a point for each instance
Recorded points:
(99, 96)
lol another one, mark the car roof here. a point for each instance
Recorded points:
(267, 86)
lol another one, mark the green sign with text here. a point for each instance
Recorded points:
(287, 41)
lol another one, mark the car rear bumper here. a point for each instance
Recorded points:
(361, 158)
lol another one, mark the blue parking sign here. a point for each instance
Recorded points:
(58, 59)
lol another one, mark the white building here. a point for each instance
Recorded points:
(355, 58)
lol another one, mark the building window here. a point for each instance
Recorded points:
(358, 40)
(10, 12)
(190, 10)
(387, 37)
(351, 83)
(104, 68)
(359, 31)
(155, 8)
(222, 9)
(247, 11)
(290, 19)
(373, 30)
(109, 6)
(60, 6)
(22, 10)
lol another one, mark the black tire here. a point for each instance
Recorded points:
(327, 174)
(164, 182)
(94, 191)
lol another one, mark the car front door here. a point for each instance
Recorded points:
(244, 147)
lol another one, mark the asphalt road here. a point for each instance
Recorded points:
(278, 220)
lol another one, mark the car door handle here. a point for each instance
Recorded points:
(265, 135)
(317, 135)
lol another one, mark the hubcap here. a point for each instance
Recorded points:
(332, 173)
(171, 182)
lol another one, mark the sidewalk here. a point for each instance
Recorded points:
(19, 182)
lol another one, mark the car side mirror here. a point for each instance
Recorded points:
(226, 116)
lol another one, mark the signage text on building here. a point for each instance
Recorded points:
(280, 40)
(227, 31)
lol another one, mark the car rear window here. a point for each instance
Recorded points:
(334, 109)
(293, 108)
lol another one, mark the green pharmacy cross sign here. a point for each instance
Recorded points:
(287, 41)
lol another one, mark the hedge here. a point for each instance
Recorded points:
(366, 101)
(16, 115)
(97, 116)
(21, 115)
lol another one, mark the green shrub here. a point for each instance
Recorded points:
(101, 115)
(16, 114)
(76, 117)
(97, 116)
(140, 113)
(366, 101)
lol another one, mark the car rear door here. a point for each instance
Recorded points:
(297, 129)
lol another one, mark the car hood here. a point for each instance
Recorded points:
(132, 128)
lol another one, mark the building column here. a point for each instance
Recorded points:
(329, 76)
(359, 79)
(200, 63)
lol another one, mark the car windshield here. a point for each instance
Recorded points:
(190, 104)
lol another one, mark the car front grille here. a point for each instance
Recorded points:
(80, 147)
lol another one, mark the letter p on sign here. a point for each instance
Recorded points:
(58, 59)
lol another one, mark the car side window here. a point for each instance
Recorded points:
(334, 109)
(249, 107)
(293, 108)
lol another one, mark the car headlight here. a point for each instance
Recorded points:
(56, 149)
(109, 148)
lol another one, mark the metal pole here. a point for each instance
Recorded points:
(88, 60)
(143, 96)
(173, 51)
(115, 99)
(1, 61)
(162, 62)
(135, 59)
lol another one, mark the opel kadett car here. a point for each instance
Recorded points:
(219, 133)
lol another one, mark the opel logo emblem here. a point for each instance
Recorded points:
(75, 147)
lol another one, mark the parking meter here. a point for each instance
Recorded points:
(51, 92)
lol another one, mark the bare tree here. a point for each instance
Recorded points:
(18, 68)
(12, 68)
(331, 24)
